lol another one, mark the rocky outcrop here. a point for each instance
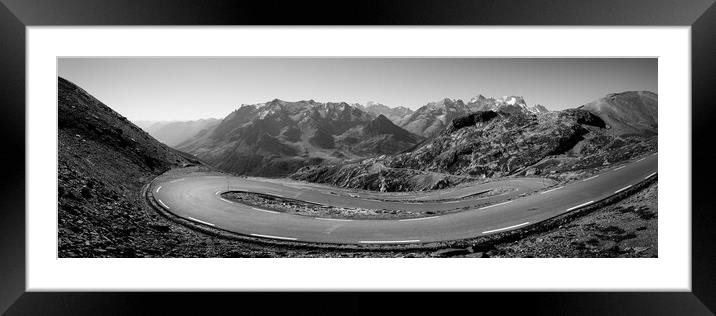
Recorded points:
(471, 120)
(500, 144)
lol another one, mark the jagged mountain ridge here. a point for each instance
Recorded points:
(508, 104)
(278, 137)
(433, 117)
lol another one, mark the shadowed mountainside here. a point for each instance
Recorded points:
(278, 137)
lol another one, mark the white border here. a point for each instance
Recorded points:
(671, 271)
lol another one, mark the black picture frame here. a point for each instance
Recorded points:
(16, 15)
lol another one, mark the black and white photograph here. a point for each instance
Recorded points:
(193, 157)
(355, 157)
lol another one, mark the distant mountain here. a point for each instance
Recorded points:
(149, 126)
(538, 108)
(278, 137)
(631, 112)
(507, 104)
(431, 118)
(174, 133)
(505, 138)
(103, 161)
(396, 114)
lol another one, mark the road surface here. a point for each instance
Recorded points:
(199, 199)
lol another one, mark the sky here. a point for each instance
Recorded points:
(169, 88)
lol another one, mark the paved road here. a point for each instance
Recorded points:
(198, 199)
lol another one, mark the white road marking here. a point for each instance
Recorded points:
(506, 228)
(274, 237)
(622, 189)
(267, 211)
(640, 159)
(417, 219)
(493, 205)
(649, 176)
(333, 219)
(159, 188)
(580, 205)
(552, 190)
(200, 221)
(388, 241)
(177, 180)
(590, 178)
(615, 169)
(162, 203)
(214, 177)
(225, 200)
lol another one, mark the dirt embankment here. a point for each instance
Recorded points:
(297, 207)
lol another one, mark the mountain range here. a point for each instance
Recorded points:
(425, 121)
(506, 140)
(278, 137)
(396, 114)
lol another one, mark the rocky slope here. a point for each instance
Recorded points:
(487, 144)
(174, 133)
(278, 137)
(627, 113)
(103, 161)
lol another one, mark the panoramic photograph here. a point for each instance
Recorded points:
(346, 157)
